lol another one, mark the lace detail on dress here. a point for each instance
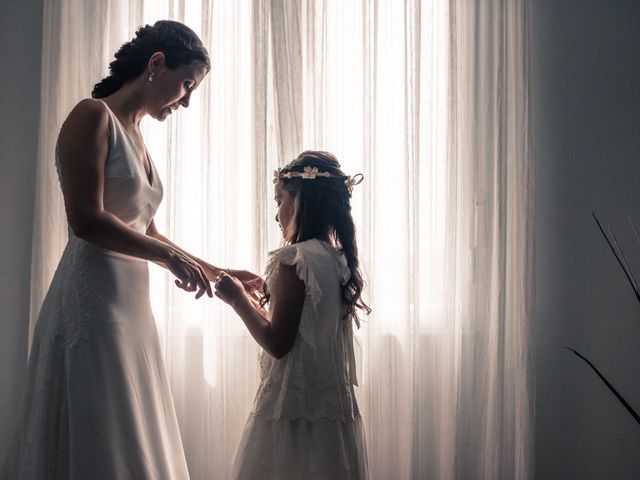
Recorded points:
(81, 301)
(79, 298)
(63, 324)
(289, 392)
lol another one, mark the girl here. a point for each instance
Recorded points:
(305, 422)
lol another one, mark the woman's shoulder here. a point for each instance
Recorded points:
(88, 118)
(89, 109)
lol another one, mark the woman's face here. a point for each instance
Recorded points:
(172, 88)
(285, 202)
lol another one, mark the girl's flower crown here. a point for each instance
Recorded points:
(310, 173)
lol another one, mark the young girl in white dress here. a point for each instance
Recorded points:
(305, 422)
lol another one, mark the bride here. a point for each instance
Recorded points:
(97, 403)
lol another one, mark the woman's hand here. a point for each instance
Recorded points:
(191, 276)
(230, 290)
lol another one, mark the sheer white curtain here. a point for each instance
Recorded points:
(430, 101)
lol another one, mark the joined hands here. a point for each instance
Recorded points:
(195, 275)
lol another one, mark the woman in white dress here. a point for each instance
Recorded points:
(305, 423)
(97, 403)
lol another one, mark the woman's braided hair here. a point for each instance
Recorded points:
(180, 45)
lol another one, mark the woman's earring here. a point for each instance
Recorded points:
(151, 76)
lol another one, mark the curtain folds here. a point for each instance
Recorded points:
(429, 100)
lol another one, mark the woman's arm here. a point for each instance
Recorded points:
(83, 146)
(210, 270)
(251, 281)
(275, 336)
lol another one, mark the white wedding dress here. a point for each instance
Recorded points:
(98, 404)
(305, 423)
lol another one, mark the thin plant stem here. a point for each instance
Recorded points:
(606, 237)
(613, 390)
(633, 227)
(627, 267)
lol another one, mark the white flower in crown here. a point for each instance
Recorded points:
(278, 174)
(309, 173)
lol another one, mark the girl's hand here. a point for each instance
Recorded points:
(191, 276)
(229, 289)
(252, 282)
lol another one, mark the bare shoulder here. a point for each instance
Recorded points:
(84, 136)
(89, 117)
(90, 106)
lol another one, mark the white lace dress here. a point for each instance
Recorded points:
(97, 404)
(305, 422)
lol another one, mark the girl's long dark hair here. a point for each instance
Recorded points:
(180, 45)
(323, 206)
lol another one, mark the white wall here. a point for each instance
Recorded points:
(20, 48)
(587, 150)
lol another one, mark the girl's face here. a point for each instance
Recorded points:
(285, 202)
(173, 88)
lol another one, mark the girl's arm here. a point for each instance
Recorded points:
(83, 145)
(275, 336)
